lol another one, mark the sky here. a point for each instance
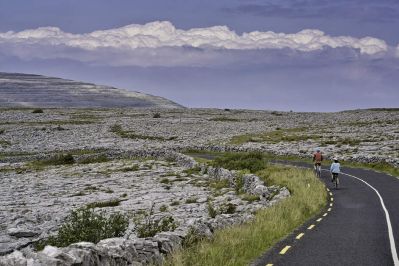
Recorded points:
(300, 55)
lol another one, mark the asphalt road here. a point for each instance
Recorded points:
(353, 229)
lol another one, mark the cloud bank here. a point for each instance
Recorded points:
(160, 43)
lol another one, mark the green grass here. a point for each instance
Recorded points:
(239, 245)
(252, 161)
(95, 159)
(103, 204)
(289, 135)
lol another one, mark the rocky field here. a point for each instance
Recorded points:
(131, 161)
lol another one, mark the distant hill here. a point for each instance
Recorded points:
(27, 90)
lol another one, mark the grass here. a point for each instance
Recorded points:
(252, 161)
(239, 245)
(60, 159)
(4, 143)
(191, 200)
(103, 204)
(95, 159)
(289, 135)
(225, 119)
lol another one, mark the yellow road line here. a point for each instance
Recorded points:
(300, 236)
(269, 264)
(284, 250)
(328, 189)
(310, 227)
(332, 199)
(329, 209)
(325, 214)
(331, 204)
(319, 220)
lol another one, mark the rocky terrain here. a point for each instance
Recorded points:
(144, 168)
(26, 90)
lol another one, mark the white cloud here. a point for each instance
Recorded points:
(146, 40)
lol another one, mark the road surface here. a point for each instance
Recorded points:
(354, 229)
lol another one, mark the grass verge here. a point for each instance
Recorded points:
(239, 245)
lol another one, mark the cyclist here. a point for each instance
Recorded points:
(317, 159)
(335, 169)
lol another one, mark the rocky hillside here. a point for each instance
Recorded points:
(26, 90)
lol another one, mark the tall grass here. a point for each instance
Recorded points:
(239, 245)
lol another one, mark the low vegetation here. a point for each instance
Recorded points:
(59, 159)
(86, 225)
(37, 111)
(279, 135)
(253, 161)
(225, 119)
(146, 225)
(239, 245)
(103, 204)
(117, 129)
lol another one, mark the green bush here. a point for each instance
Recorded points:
(60, 159)
(211, 210)
(156, 115)
(103, 204)
(37, 111)
(191, 200)
(147, 225)
(94, 159)
(252, 161)
(85, 225)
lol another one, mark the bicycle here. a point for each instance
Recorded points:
(335, 180)
(317, 170)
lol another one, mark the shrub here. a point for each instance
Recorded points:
(94, 159)
(60, 159)
(156, 115)
(148, 226)
(211, 210)
(219, 184)
(191, 200)
(103, 204)
(2, 131)
(175, 203)
(163, 208)
(191, 171)
(85, 225)
(250, 198)
(252, 161)
(165, 181)
(130, 168)
(228, 208)
(192, 237)
(37, 111)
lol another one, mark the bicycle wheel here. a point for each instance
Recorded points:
(336, 182)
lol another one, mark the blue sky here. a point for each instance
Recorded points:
(347, 57)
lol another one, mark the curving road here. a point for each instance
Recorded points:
(353, 229)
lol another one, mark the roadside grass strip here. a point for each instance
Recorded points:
(242, 244)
